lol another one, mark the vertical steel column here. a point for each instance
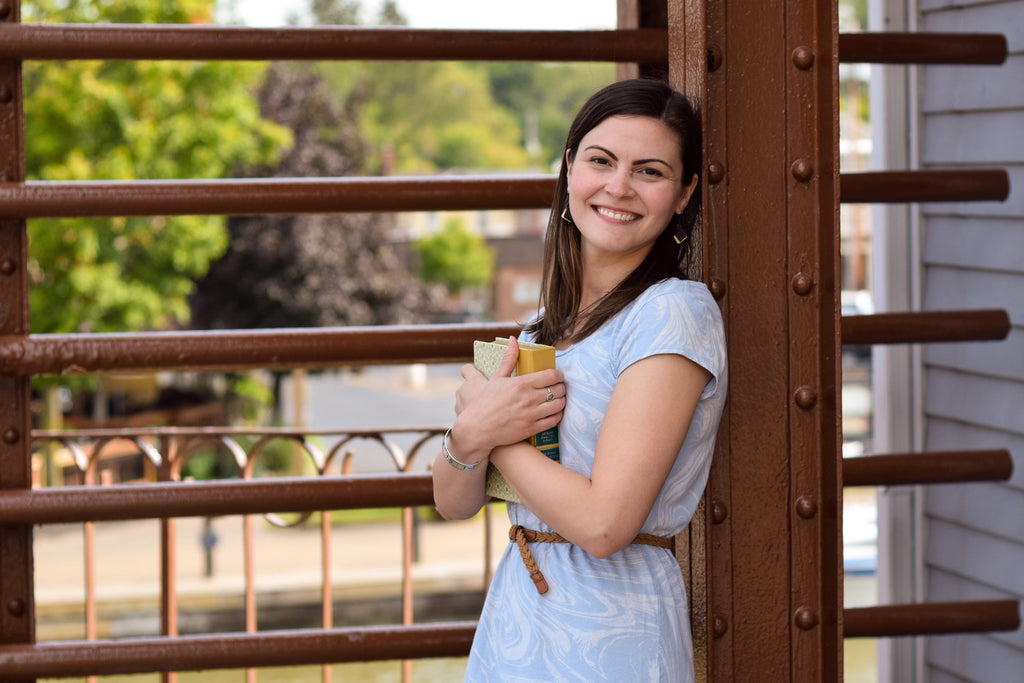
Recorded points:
(771, 253)
(17, 609)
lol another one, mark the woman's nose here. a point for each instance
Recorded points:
(620, 184)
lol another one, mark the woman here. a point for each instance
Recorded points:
(637, 398)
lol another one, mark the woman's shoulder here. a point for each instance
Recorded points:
(674, 295)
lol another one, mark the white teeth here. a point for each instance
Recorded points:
(615, 215)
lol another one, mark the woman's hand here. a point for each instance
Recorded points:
(490, 413)
(506, 409)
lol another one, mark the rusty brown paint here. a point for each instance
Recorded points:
(812, 151)
(888, 187)
(926, 326)
(134, 41)
(243, 349)
(923, 48)
(17, 618)
(932, 618)
(265, 196)
(229, 497)
(230, 651)
(934, 467)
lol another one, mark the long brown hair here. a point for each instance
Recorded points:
(561, 287)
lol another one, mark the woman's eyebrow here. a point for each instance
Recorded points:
(652, 160)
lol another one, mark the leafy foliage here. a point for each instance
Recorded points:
(90, 120)
(455, 257)
(314, 269)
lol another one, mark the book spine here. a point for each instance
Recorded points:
(534, 360)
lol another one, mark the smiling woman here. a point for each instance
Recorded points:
(637, 397)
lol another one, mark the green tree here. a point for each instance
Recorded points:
(544, 97)
(92, 120)
(455, 257)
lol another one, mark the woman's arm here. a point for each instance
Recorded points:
(490, 413)
(644, 427)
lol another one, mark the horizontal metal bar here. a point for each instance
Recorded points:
(213, 498)
(946, 467)
(925, 327)
(649, 45)
(931, 619)
(923, 48)
(218, 350)
(234, 650)
(889, 187)
(266, 196)
(188, 42)
(60, 354)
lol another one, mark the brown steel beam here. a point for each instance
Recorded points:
(226, 497)
(266, 196)
(181, 42)
(319, 347)
(240, 349)
(888, 187)
(924, 327)
(17, 601)
(234, 650)
(945, 467)
(931, 619)
(923, 48)
(627, 45)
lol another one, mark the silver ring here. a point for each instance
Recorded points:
(551, 395)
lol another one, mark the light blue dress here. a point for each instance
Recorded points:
(623, 618)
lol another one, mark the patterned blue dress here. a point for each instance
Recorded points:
(623, 618)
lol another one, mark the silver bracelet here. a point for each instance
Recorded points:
(461, 466)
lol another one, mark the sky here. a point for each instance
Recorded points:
(484, 14)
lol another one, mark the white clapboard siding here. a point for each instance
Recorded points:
(983, 244)
(968, 137)
(973, 88)
(972, 256)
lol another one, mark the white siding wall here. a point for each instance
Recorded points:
(973, 257)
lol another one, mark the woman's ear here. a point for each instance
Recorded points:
(568, 164)
(687, 193)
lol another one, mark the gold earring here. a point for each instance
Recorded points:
(565, 215)
(680, 240)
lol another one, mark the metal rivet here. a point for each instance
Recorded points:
(806, 397)
(802, 170)
(803, 284)
(806, 507)
(805, 618)
(8, 267)
(6, 94)
(719, 512)
(716, 172)
(715, 57)
(11, 436)
(803, 57)
(717, 288)
(16, 607)
(719, 626)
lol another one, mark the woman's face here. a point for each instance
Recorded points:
(624, 186)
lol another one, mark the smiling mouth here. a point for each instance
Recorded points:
(625, 217)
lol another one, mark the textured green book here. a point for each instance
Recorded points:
(532, 358)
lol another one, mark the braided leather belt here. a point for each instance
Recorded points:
(523, 536)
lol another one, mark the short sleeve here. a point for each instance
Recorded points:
(675, 317)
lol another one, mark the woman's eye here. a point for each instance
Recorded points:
(650, 172)
(599, 161)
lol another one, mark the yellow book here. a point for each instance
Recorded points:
(532, 358)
